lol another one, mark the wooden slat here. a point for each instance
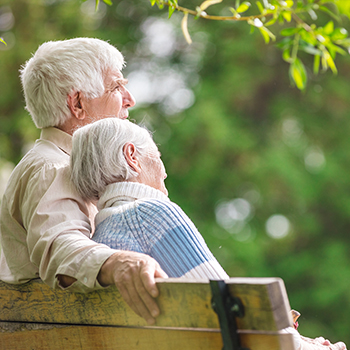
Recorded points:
(181, 303)
(44, 337)
(266, 303)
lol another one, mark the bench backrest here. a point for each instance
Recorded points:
(38, 317)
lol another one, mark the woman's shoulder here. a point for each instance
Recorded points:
(158, 206)
(166, 214)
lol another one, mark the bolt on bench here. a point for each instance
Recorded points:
(249, 314)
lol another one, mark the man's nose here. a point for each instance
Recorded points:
(128, 99)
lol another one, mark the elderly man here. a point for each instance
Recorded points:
(45, 225)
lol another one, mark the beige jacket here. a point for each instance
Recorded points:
(44, 225)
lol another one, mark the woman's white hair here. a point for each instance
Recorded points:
(61, 67)
(97, 157)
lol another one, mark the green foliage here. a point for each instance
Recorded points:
(323, 42)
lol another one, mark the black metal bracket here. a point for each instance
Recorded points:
(228, 308)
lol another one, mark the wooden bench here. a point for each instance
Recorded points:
(35, 317)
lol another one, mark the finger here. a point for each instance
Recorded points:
(160, 273)
(144, 310)
(148, 273)
(137, 304)
(295, 314)
(148, 293)
(339, 346)
(125, 295)
(130, 295)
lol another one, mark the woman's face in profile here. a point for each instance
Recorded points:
(153, 171)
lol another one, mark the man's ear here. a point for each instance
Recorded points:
(75, 105)
(131, 157)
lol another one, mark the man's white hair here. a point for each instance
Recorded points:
(60, 67)
(97, 157)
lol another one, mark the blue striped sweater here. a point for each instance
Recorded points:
(137, 217)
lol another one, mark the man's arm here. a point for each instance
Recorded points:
(58, 242)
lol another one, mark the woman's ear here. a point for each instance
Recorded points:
(75, 105)
(131, 157)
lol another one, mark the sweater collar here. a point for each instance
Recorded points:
(60, 138)
(121, 192)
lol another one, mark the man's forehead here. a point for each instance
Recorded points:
(114, 75)
(117, 74)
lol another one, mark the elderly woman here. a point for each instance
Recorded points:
(117, 163)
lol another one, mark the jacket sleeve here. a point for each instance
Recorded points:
(58, 230)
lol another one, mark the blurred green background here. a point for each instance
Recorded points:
(260, 167)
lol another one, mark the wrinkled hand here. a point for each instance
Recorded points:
(320, 344)
(134, 275)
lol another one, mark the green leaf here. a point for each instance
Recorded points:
(287, 15)
(260, 7)
(308, 37)
(298, 74)
(330, 61)
(96, 4)
(243, 7)
(234, 12)
(339, 34)
(160, 4)
(312, 14)
(344, 42)
(286, 56)
(2, 40)
(334, 49)
(317, 64)
(172, 8)
(289, 31)
(324, 63)
(271, 21)
(330, 13)
(311, 50)
(153, 2)
(328, 28)
(281, 19)
(267, 34)
(285, 43)
(199, 11)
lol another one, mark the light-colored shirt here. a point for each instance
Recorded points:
(137, 217)
(44, 224)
